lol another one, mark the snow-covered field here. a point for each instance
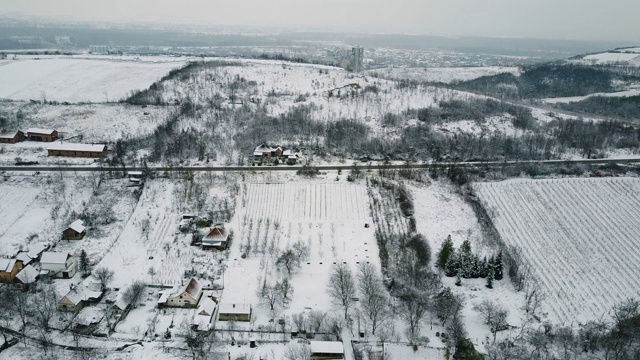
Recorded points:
(327, 216)
(577, 236)
(136, 250)
(445, 75)
(610, 57)
(626, 93)
(78, 80)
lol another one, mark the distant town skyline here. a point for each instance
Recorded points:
(545, 19)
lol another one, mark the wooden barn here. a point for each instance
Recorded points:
(11, 137)
(75, 231)
(46, 135)
(78, 150)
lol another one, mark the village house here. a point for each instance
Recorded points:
(204, 314)
(186, 296)
(327, 350)
(60, 265)
(77, 297)
(75, 231)
(77, 150)
(26, 277)
(234, 312)
(9, 268)
(11, 137)
(217, 238)
(46, 135)
(264, 154)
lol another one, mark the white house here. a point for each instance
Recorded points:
(204, 314)
(60, 265)
(327, 350)
(186, 296)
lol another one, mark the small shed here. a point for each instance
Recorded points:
(11, 137)
(38, 134)
(327, 350)
(75, 231)
(26, 277)
(234, 312)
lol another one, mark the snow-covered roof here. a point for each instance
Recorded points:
(81, 293)
(5, 134)
(235, 309)
(206, 307)
(24, 257)
(216, 234)
(327, 347)
(36, 250)
(6, 265)
(121, 301)
(77, 226)
(27, 275)
(78, 147)
(50, 257)
(193, 288)
(40, 131)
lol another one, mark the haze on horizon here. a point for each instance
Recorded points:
(545, 19)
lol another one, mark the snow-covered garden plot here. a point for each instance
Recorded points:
(576, 236)
(140, 245)
(78, 80)
(33, 208)
(445, 75)
(328, 217)
(94, 122)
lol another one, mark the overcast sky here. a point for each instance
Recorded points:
(554, 19)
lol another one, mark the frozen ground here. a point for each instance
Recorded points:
(77, 80)
(577, 237)
(325, 215)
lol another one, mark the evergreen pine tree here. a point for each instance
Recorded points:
(490, 280)
(445, 253)
(84, 264)
(452, 268)
(497, 267)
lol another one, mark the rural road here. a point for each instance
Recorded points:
(372, 166)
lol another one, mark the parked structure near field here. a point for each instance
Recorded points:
(60, 265)
(46, 135)
(217, 238)
(11, 137)
(327, 350)
(75, 231)
(234, 312)
(77, 150)
(186, 296)
(9, 268)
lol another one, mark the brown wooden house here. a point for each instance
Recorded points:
(9, 268)
(46, 135)
(75, 231)
(11, 137)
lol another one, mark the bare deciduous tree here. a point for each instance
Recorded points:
(374, 299)
(342, 287)
(104, 275)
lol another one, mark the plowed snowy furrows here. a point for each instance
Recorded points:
(578, 236)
